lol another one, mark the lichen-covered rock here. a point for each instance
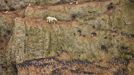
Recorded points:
(59, 67)
(3, 5)
(6, 25)
(131, 67)
(95, 31)
(81, 36)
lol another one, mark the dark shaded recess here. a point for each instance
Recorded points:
(93, 27)
(3, 66)
(124, 48)
(3, 10)
(94, 34)
(1, 41)
(114, 35)
(73, 16)
(2, 48)
(74, 34)
(131, 1)
(11, 9)
(37, 3)
(105, 37)
(104, 48)
(5, 35)
(83, 72)
(110, 6)
(8, 32)
(26, 34)
(6, 1)
(127, 51)
(15, 70)
(83, 35)
(131, 35)
(80, 32)
(102, 68)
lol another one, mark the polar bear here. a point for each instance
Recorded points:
(73, 2)
(51, 19)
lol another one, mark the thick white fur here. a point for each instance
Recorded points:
(74, 2)
(51, 19)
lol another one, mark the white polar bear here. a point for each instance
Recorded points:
(51, 19)
(73, 2)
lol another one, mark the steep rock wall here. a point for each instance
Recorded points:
(88, 31)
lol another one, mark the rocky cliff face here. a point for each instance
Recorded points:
(100, 32)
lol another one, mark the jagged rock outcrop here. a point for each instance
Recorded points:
(95, 31)
(54, 66)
